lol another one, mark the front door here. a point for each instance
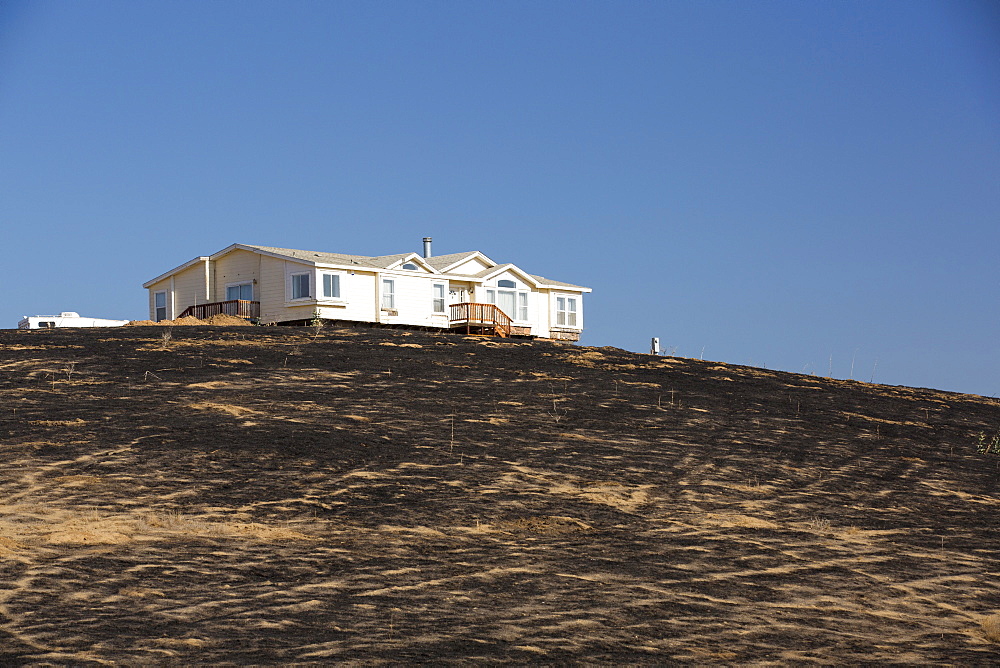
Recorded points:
(506, 300)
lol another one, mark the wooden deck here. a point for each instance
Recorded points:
(481, 319)
(241, 308)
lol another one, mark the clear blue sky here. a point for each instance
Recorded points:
(774, 183)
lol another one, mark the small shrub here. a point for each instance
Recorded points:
(988, 445)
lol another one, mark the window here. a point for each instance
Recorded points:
(388, 293)
(506, 284)
(46, 324)
(160, 306)
(410, 266)
(506, 300)
(439, 297)
(300, 286)
(242, 291)
(514, 304)
(566, 311)
(331, 286)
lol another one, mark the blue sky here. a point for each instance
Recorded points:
(773, 183)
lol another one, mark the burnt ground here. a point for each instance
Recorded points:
(282, 496)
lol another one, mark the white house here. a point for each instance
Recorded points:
(286, 286)
(65, 319)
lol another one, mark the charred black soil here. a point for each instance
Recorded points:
(283, 496)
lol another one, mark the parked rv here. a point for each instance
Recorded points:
(65, 319)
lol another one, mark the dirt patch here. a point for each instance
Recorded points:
(223, 320)
(217, 320)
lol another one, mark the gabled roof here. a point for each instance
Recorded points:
(500, 268)
(537, 281)
(415, 258)
(444, 263)
(175, 270)
(548, 282)
(438, 264)
(318, 257)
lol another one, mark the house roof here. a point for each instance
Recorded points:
(439, 263)
(540, 281)
(444, 263)
(320, 257)
(559, 284)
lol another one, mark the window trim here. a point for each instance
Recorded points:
(321, 286)
(292, 275)
(439, 301)
(156, 309)
(568, 315)
(387, 298)
(519, 308)
(240, 284)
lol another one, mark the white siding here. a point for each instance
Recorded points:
(470, 266)
(414, 300)
(360, 292)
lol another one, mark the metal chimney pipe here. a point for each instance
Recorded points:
(427, 246)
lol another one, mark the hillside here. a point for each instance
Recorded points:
(281, 495)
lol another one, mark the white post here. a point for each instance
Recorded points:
(654, 346)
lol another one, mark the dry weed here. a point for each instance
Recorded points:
(235, 411)
(991, 627)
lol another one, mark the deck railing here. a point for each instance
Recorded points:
(241, 308)
(480, 316)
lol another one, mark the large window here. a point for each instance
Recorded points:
(511, 302)
(388, 293)
(566, 311)
(331, 286)
(239, 291)
(160, 306)
(300, 286)
(439, 289)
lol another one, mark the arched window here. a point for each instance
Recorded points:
(506, 284)
(410, 266)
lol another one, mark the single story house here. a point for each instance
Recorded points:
(466, 291)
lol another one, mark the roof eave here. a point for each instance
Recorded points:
(465, 258)
(415, 258)
(175, 270)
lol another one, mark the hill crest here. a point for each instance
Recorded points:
(276, 495)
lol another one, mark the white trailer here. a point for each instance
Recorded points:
(65, 319)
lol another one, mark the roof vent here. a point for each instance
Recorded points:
(427, 246)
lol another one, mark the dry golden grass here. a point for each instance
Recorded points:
(58, 423)
(991, 627)
(38, 526)
(229, 409)
(735, 520)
